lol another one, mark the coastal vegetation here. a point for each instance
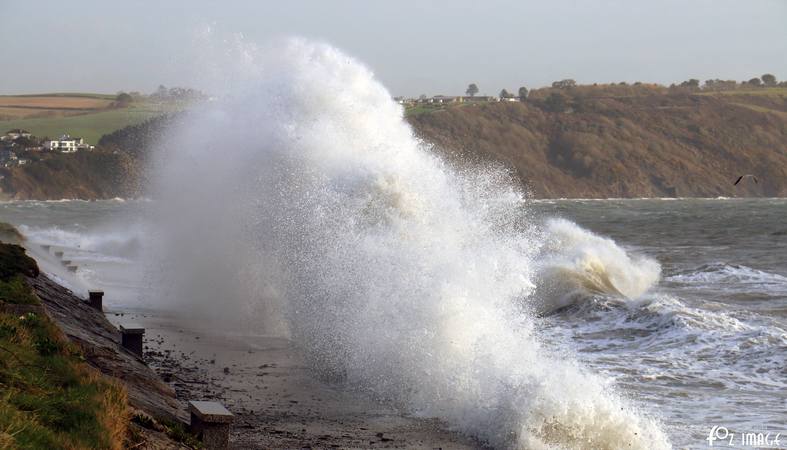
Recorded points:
(597, 142)
(49, 397)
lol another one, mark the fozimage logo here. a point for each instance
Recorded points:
(722, 437)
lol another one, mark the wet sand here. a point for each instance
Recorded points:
(277, 400)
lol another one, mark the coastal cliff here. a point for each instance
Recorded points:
(589, 143)
(624, 147)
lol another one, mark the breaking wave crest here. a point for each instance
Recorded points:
(575, 264)
(322, 215)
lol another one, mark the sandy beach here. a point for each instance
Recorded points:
(278, 402)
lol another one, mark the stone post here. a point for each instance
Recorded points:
(96, 299)
(210, 422)
(131, 338)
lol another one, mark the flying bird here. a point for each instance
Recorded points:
(745, 176)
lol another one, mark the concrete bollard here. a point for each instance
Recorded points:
(46, 247)
(210, 422)
(131, 338)
(72, 268)
(59, 254)
(96, 299)
(66, 262)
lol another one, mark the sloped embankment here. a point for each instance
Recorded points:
(49, 397)
(65, 381)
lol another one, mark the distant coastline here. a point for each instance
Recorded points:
(592, 142)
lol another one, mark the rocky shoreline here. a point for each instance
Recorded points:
(278, 402)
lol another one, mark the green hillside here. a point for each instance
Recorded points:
(85, 115)
(88, 126)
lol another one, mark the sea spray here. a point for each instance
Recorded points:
(301, 200)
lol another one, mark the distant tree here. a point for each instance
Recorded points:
(691, 84)
(769, 79)
(122, 100)
(422, 97)
(505, 94)
(755, 82)
(522, 93)
(564, 84)
(26, 142)
(556, 102)
(472, 90)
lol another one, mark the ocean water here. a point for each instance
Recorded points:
(704, 345)
(445, 291)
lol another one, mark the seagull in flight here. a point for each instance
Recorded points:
(745, 176)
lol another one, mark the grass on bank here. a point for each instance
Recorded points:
(49, 397)
(420, 108)
(761, 91)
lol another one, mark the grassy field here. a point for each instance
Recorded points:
(771, 91)
(14, 107)
(762, 109)
(65, 94)
(84, 115)
(88, 126)
(421, 108)
(55, 102)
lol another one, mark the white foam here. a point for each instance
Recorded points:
(732, 274)
(575, 263)
(303, 193)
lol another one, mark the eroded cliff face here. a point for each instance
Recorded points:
(648, 146)
(84, 175)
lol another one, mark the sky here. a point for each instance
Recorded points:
(414, 47)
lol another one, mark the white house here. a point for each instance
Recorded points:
(444, 99)
(67, 144)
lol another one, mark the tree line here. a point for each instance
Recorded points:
(765, 80)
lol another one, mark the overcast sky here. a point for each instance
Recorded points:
(414, 47)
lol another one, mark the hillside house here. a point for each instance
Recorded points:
(67, 144)
(444, 99)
